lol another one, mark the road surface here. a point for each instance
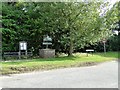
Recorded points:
(104, 75)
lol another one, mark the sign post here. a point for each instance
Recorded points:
(22, 46)
(47, 41)
(47, 52)
(104, 43)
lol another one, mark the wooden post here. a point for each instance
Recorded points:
(26, 53)
(19, 53)
(87, 54)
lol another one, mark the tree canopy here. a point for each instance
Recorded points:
(72, 25)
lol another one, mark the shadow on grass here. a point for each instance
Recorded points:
(58, 59)
(109, 54)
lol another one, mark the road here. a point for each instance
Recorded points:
(104, 75)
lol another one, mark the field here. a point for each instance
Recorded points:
(77, 60)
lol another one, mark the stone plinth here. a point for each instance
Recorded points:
(47, 53)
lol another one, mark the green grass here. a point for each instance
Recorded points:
(79, 59)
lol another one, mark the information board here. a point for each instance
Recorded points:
(23, 45)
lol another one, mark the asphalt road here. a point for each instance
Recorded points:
(104, 75)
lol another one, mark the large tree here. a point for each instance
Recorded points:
(71, 25)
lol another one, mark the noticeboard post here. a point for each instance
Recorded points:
(22, 47)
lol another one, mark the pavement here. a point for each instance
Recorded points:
(104, 75)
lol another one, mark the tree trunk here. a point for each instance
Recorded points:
(71, 45)
(70, 48)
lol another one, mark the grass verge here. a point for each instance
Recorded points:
(79, 59)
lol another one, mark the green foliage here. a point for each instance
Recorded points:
(112, 44)
(71, 25)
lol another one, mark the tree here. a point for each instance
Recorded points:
(71, 25)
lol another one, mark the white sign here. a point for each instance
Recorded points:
(23, 45)
(47, 43)
(88, 50)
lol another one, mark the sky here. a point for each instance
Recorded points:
(112, 2)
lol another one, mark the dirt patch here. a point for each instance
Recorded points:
(23, 69)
